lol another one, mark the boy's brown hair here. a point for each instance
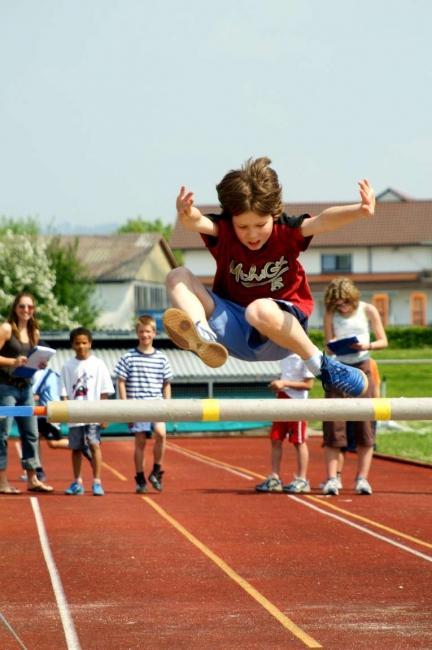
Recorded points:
(341, 289)
(253, 188)
(146, 320)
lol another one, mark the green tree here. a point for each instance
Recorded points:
(139, 225)
(28, 226)
(73, 286)
(50, 270)
(24, 265)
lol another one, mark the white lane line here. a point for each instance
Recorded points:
(363, 529)
(10, 629)
(62, 604)
(219, 465)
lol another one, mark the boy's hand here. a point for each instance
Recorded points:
(276, 385)
(367, 196)
(184, 204)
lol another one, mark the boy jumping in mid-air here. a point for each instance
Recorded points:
(260, 302)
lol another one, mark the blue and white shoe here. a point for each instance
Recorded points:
(335, 375)
(75, 489)
(98, 490)
(188, 335)
(271, 484)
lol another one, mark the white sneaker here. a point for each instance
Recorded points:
(338, 481)
(331, 487)
(363, 486)
(271, 484)
(297, 486)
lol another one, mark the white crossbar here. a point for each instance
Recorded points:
(240, 410)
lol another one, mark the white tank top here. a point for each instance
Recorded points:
(357, 324)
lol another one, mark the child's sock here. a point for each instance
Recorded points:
(156, 468)
(314, 363)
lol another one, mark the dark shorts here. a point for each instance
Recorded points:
(242, 340)
(362, 433)
(84, 435)
(47, 430)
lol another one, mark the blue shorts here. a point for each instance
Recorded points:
(141, 427)
(242, 340)
(84, 435)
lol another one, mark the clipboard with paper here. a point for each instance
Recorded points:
(343, 346)
(39, 356)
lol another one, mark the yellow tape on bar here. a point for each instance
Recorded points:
(210, 410)
(382, 408)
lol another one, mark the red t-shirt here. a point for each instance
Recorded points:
(274, 271)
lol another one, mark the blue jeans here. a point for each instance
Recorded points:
(27, 426)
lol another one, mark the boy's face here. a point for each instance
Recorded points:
(145, 334)
(82, 346)
(252, 229)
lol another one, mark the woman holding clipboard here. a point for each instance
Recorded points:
(19, 334)
(348, 322)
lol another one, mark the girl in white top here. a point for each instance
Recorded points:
(346, 315)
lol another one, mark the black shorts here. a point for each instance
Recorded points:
(47, 430)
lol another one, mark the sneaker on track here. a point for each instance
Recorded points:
(338, 482)
(271, 484)
(348, 380)
(331, 487)
(363, 486)
(98, 490)
(155, 479)
(75, 488)
(140, 484)
(190, 336)
(297, 486)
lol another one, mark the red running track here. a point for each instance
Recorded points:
(210, 564)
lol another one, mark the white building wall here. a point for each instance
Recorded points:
(200, 262)
(402, 258)
(365, 260)
(116, 302)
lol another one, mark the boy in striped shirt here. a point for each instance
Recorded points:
(145, 373)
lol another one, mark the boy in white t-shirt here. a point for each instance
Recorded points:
(85, 377)
(295, 382)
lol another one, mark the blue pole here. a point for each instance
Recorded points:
(16, 411)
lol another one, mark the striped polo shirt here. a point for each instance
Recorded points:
(144, 373)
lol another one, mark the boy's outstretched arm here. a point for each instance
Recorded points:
(190, 217)
(338, 216)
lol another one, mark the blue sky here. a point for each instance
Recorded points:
(109, 105)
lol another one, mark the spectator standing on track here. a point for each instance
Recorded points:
(19, 334)
(260, 302)
(85, 377)
(295, 382)
(346, 315)
(145, 373)
(46, 388)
